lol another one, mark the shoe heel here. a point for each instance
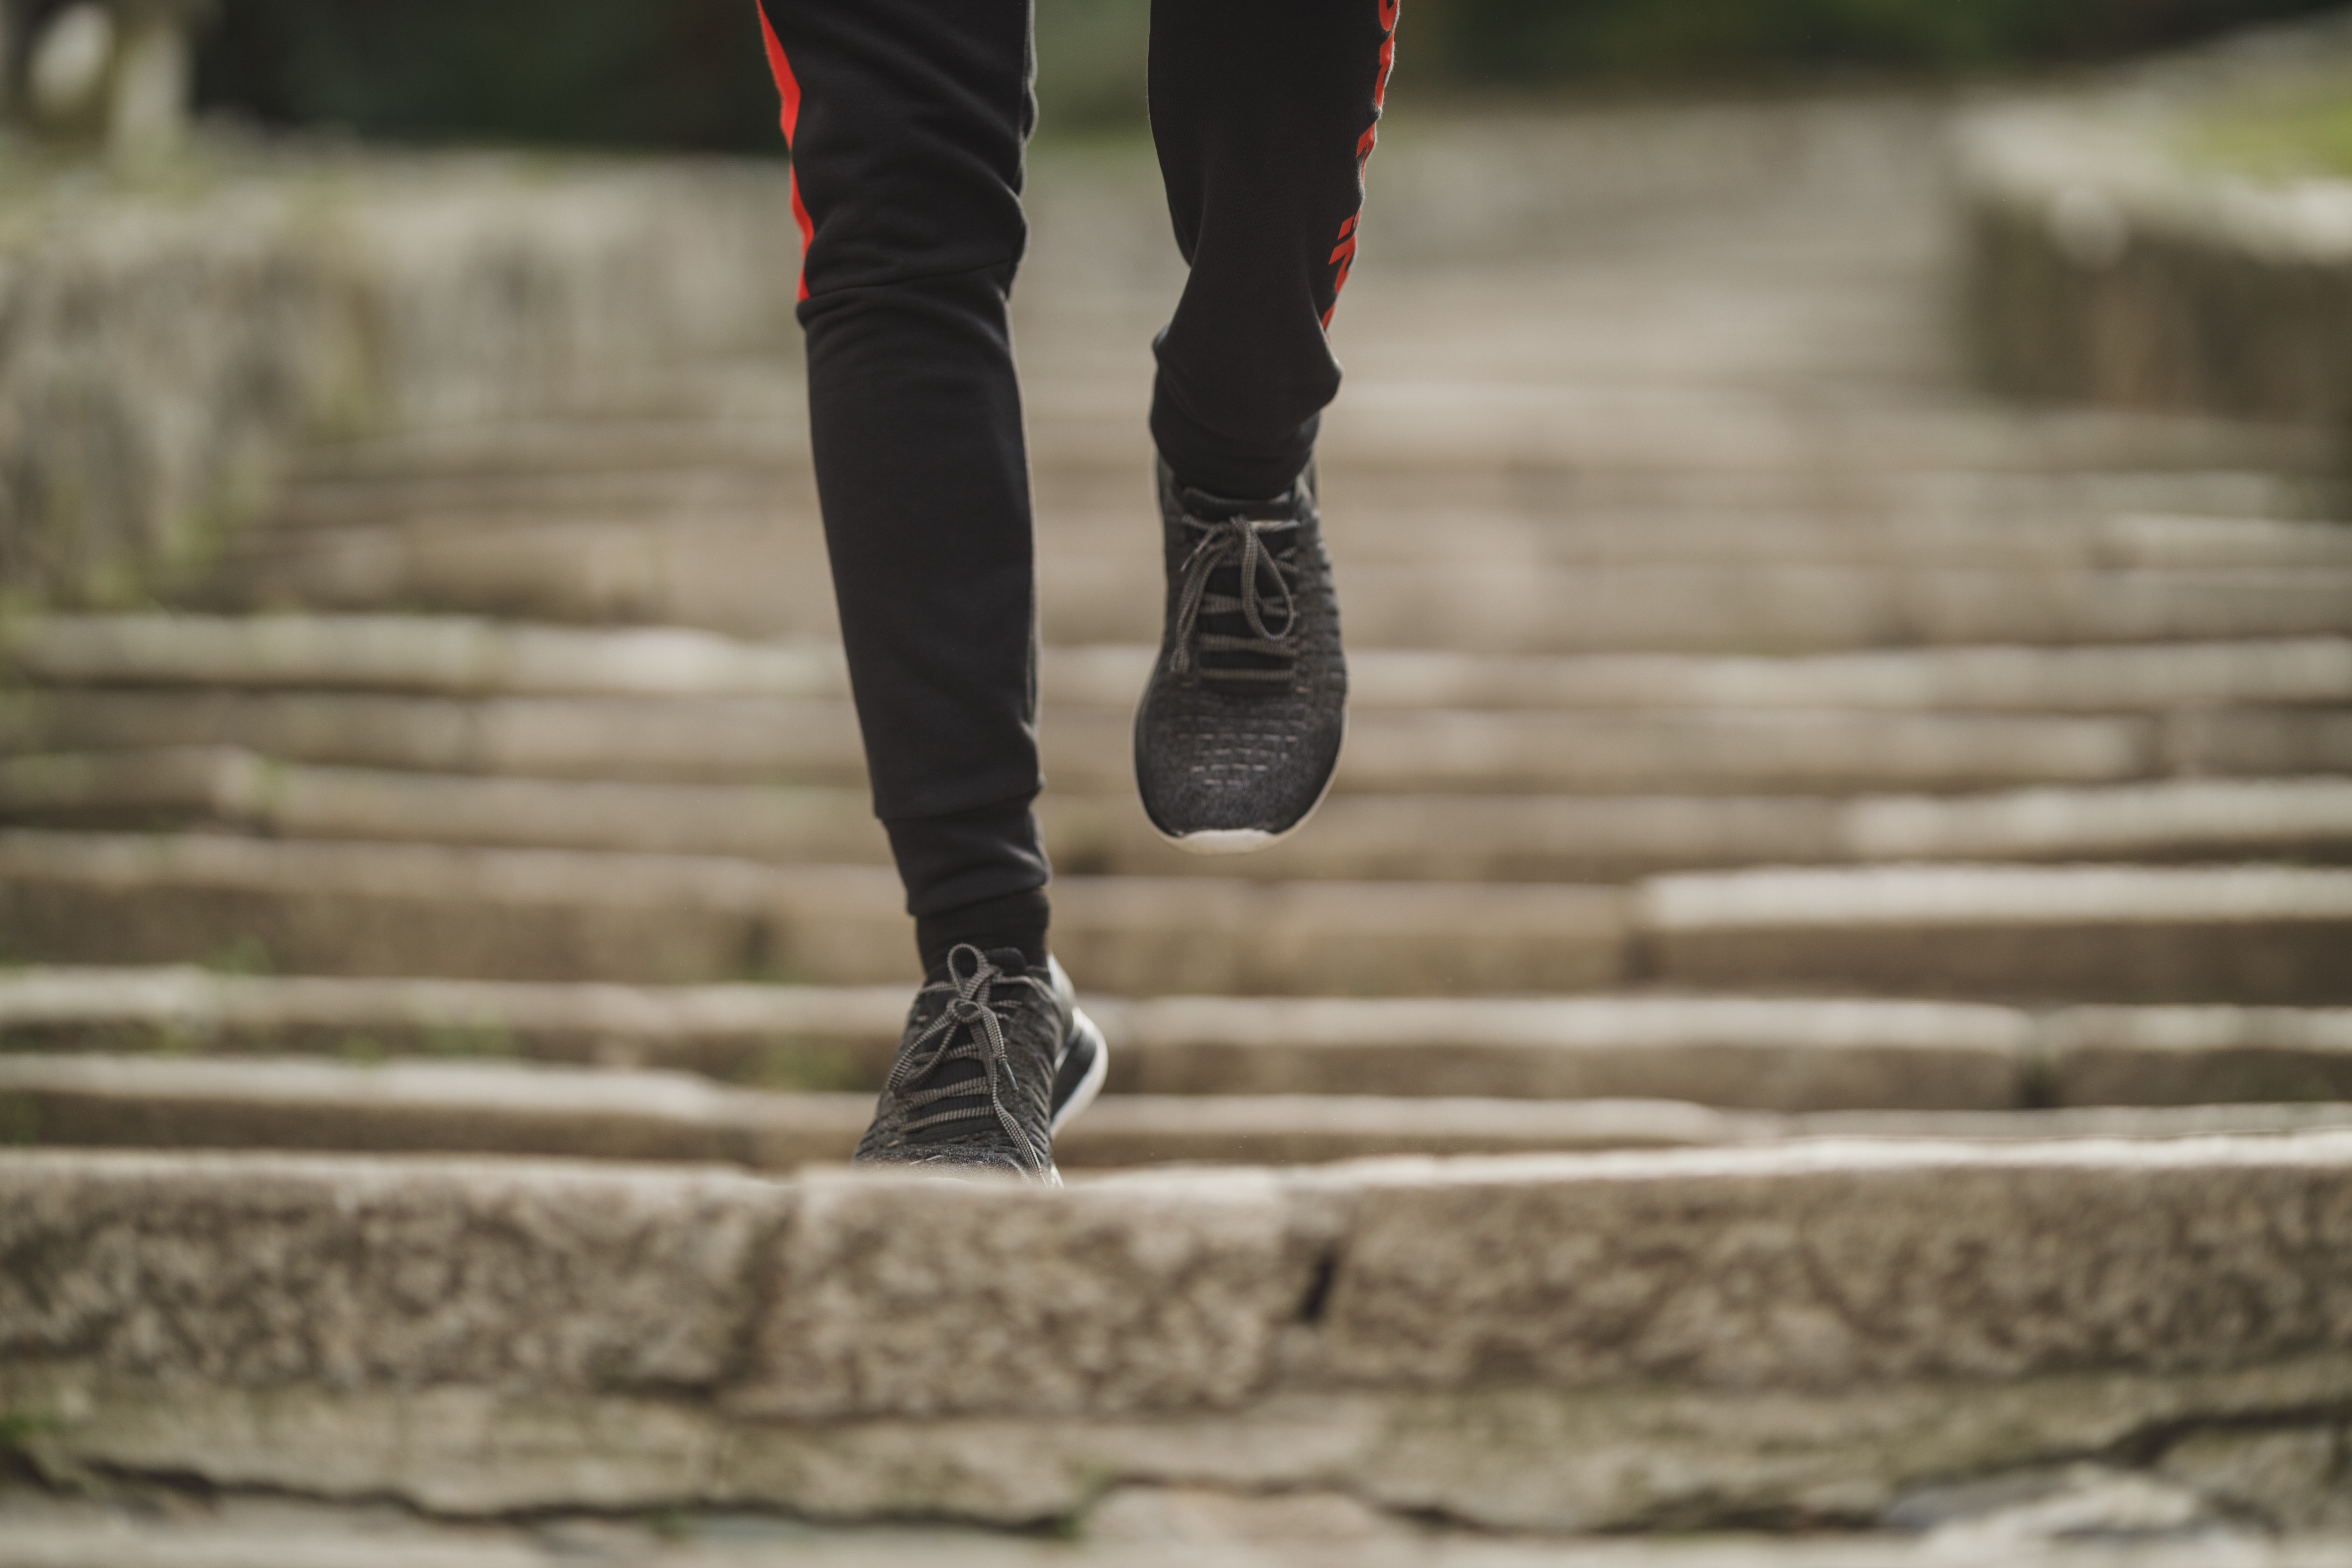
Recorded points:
(1084, 1067)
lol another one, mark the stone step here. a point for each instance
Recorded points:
(1553, 1343)
(375, 910)
(406, 1107)
(452, 656)
(664, 558)
(1459, 600)
(1972, 512)
(754, 579)
(1786, 1055)
(2238, 933)
(1089, 750)
(1772, 1054)
(1360, 837)
(1426, 419)
(2249, 933)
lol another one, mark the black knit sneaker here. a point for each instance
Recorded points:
(995, 1060)
(1240, 729)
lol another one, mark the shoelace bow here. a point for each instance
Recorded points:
(1240, 541)
(972, 1010)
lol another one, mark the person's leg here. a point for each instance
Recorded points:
(906, 120)
(1263, 114)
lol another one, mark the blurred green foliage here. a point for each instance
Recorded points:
(1710, 42)
(689, 74)
(2285, 136)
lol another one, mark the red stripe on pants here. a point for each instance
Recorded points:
(788, 87)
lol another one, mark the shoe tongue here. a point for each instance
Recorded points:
(1221, 509)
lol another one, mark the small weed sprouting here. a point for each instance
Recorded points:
(19, 1429)
(808, 1067)
(462, 1041)
(246, 955)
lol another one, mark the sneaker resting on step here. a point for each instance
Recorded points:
(1240, 729)
(996, 1058)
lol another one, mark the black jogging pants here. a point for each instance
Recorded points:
(908, 120)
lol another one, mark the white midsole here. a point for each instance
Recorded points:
(1227, 841)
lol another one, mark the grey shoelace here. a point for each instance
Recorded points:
(1241, 541)
(971, 1010)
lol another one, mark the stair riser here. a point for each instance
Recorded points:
(1356, 837)
(86, 1103)
(212, 658)
(1235, 947)
(2248, 962)
(1139, 937)
(1494, 607)
(743, 571)
(1792, 1056)
(1088, 750)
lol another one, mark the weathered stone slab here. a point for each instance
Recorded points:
(2065, 1258)
(2258, 742)
(423, 1106)
(757, 740)
(2107, 263)
(2177, 820)
(2193, 1056)
(711, 740)
(89, 1101)
(419, 910)
(316, 299)
(1565, 1343)
(442, 654)
(457, 655)
(779, 1035)
(1509, 839)
(1498, 606)
(911, 1298)
(1752, 1053)
(268, 1273)
(418, 1107)
(227, 788)
(1733, 752)
(1508, 1460)
(2253, 934)
(1140, 935)
(372, 910)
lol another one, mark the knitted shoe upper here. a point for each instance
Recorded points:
(1240, 728)
(972, 1083)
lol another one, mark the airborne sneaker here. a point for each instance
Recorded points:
(996, 1058)
(1240, 728)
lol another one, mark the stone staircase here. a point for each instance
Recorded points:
(1879, 861)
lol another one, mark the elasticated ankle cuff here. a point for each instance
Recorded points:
(1016, 920)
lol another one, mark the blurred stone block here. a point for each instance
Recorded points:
(2246, 933)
